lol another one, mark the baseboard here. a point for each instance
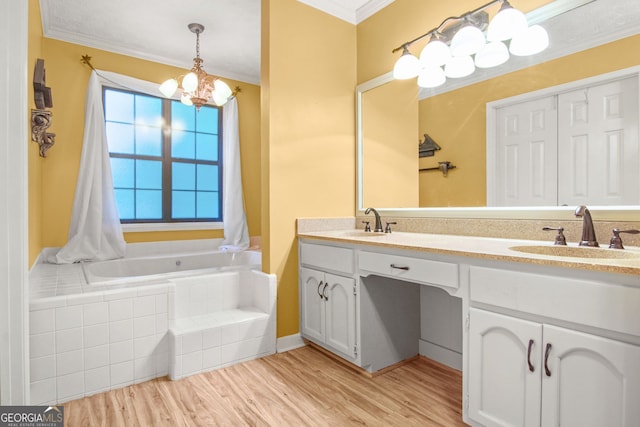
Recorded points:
(440, 354)
(290, 342)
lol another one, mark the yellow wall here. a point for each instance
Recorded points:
(457, 120)
(308, 80)
(68, 78)
(390, 143)
(35, 163)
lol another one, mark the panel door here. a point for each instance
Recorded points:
(503, 390)
(598, 145)
(526, 151)
(341, 319)
(593, 381)
(312, 315)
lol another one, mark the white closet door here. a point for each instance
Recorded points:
(526, 150)
(598, 145)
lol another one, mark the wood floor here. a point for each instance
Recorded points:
(303, 387)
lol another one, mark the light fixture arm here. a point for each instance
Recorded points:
(437, 29)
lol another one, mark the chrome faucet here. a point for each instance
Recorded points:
(378, 227)
(588, 232)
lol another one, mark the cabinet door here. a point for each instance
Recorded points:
(593, 381)
(340, 308)
(503, 391)
(312, 316)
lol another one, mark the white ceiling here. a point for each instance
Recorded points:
(157, 29)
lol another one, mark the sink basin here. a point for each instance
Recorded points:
(577, 252)
(362, 233)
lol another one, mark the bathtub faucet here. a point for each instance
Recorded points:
(378, 226)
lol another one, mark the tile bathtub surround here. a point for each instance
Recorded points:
(88, 343)
(222, 323)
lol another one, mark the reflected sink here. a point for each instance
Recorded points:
(577, 252)
(362, 233)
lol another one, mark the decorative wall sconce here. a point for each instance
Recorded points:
(428, 147)
(40, 117)
(458, 45)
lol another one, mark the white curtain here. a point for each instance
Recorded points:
(95, 232)
(236, 233)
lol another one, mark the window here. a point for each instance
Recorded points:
(166, 158)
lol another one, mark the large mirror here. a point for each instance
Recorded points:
(393, 114)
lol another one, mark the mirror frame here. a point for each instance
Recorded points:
(611, 213)
(601, 213)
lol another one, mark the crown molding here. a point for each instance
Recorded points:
(371, 8)
(348, 13)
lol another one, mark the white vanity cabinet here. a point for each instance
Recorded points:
(528, 371)
(327, 299)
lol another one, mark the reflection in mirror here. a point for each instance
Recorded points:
(457, 120)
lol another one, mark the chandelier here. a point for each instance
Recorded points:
(459, 45)
(197, 86)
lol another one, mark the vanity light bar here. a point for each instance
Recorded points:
(455, 50)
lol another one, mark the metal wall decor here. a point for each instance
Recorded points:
(41, 117)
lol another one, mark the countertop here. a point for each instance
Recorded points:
(486, 248)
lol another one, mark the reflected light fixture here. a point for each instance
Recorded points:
(197, 86)
(462, 43)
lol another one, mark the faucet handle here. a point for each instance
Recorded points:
(616, 241)
(560, 239)
(387, 229)
(367, 227)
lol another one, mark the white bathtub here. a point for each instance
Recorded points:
(168, 266)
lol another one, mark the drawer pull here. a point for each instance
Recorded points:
(324, 292)
(400, 267)
(318, 290)
(546, 359)
(531, 368)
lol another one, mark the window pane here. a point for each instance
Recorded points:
(149, 174)
(183, 176)
(183, 144)
(207, 120)
(148, 141)
(208, 205)
(118, 106)
(124, 201)
(183, 204)
(122, 172)
(207, 147)
(207, 178)
(183, 117)
(148, 111)
(120, 138)
(149, 204)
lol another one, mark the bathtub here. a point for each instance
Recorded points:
(160, 311)
(168, 266)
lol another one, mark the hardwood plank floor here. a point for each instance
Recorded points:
(303, 387)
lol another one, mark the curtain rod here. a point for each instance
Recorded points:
(86, 59)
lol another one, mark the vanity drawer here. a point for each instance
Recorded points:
(410, 269)
(327, 257)
(602, 305)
